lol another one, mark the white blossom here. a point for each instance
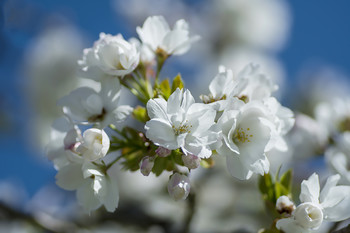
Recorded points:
(307, 137)
(72, 154)
(111, 56)
(249, 131)
(181, 123)
(84, 105)
(179, 186)
(94, 187)
(332, 203)
(222, 86)
(156, 34)
(260, 86)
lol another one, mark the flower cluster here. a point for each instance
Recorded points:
(332, 204)
(239, 119)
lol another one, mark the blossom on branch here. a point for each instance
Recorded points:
(332, 203)
(86, 106)
(156, 34)
(110, 56)
(181, 123)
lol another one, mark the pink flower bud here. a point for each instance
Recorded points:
(179, 186)
(163, 152)
(146, 165)
(191, 161)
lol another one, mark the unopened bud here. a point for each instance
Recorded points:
(179, 186)
(191, 161)
(284, 205)
(163, 152)
(146, 165)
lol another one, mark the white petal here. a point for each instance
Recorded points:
(330, 183)
(156, 108)
(339, 211)
(153, 31)
(122, 112)
(161, 133)
(188, 100)
(310, 189)
(237, 168)
(86, 196)
(70, 177)
(174, 102)
(288, 225)
(111, 199)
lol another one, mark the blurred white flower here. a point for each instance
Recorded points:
(253, 23)
(259, 86)
(307, 138)
(334, 115)
(181, 123)
(110, 55)
(156, 34)
(49, 69)
(93, 185)
(331, 204)
(84, 105)
(338, 157)
(179, 186)
(237, 58)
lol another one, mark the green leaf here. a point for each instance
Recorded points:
(165, 88)
(177, 83)
(265, 184)
(280, 190)
(132, 159)
(176, 156)
(140, 114)
(286, 180)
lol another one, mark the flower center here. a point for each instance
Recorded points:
(242, 135)
(98, 117)
(183, 128)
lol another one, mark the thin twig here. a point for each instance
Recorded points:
(13, 213)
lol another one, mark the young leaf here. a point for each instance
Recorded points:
(177, 83)
(140, 114)
(286, 180)
(165, 88)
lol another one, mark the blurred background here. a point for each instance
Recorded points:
(302, 45)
